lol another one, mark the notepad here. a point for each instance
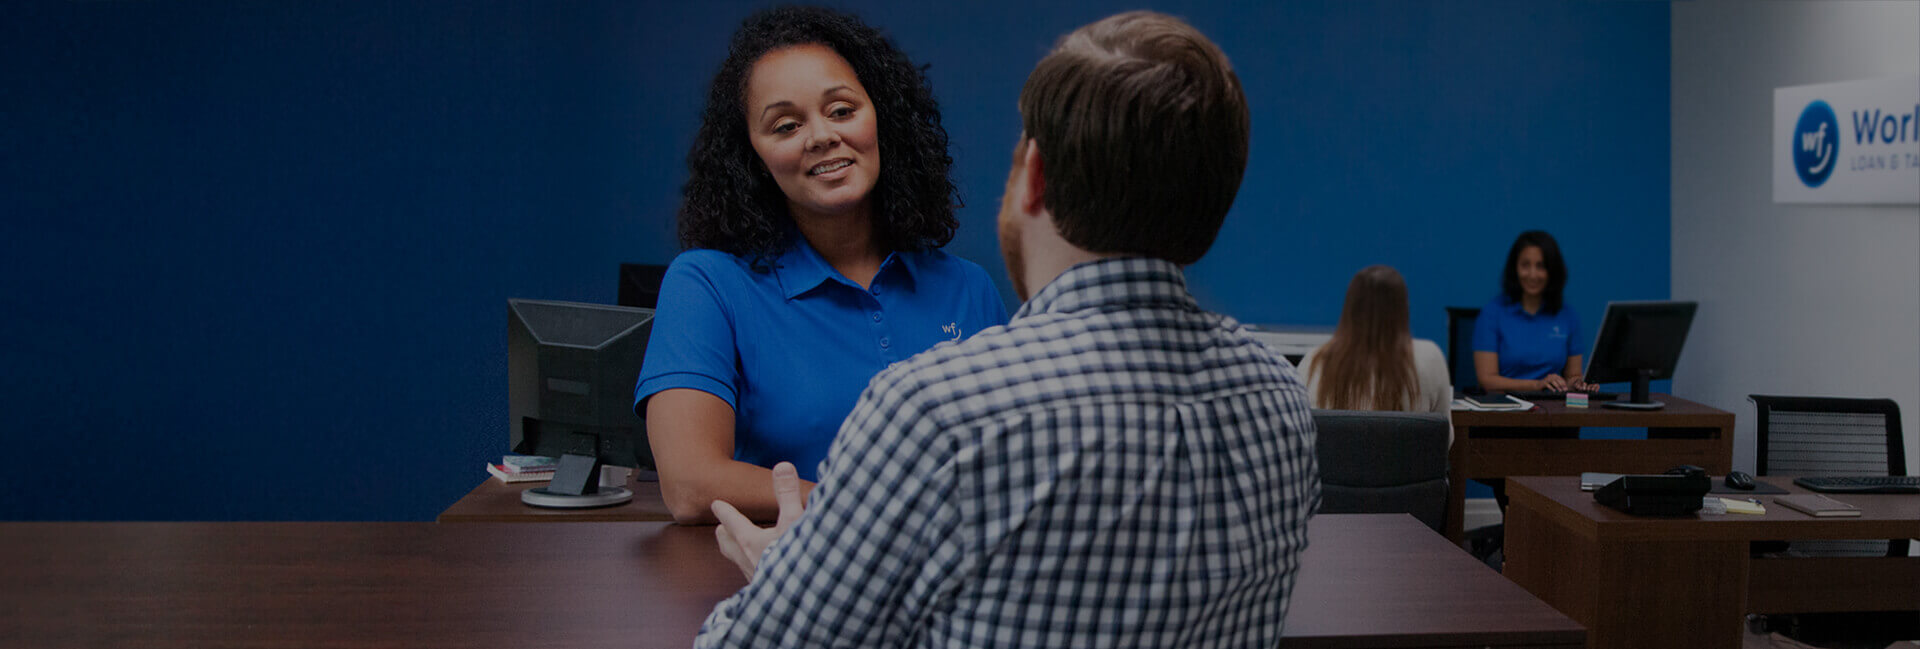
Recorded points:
(1818, 505)
(1592, 480)
(1496, 401)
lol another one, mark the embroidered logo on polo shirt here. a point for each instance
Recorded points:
(951, 329)
(1557, 333)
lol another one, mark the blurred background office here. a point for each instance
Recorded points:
(258, 253)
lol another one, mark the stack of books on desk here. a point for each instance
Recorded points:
(523, 468)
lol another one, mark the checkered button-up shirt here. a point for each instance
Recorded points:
(1113, 468)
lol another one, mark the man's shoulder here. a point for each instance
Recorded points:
(946, 365)
(1004, 358)
(1261, 364)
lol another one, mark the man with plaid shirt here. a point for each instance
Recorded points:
(1115, 467)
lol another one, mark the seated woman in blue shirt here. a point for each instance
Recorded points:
(1526, 338)
(818, 200)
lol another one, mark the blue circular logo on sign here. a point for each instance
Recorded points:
(1816, 143)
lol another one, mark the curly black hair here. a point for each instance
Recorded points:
(730, 202)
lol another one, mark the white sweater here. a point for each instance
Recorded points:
(1429, 367)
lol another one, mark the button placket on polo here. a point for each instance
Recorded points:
(877, 319)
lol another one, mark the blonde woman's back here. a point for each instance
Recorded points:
(1433, 394)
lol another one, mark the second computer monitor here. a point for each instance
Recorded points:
(1639, 342)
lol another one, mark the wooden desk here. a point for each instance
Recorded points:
(1692, 434)
(1380, 580)
(1368, 581)
(499, 502)
(1688, 581)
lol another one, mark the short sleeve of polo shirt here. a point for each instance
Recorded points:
(692, 343)
(1572, 322)
(1486, 327)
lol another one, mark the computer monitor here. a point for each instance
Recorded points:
(1639, 342)
(1292, 341)
(570, 374)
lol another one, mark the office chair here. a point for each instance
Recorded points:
(1383, 463)
(1831, 436)
(1460, 370)
(640, 285)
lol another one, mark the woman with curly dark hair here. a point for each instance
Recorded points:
(818, 199)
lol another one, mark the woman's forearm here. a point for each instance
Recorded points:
(691, 490)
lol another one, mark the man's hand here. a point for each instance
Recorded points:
(742, 541)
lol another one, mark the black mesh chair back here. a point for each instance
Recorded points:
(640, 285)
(1804, 436)
(1383, 463)
(1460, 370)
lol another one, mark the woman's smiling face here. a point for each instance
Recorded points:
(815, 129)
(1532, 269)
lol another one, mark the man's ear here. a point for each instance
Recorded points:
(1034, 178)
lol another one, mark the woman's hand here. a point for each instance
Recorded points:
(1554, 382)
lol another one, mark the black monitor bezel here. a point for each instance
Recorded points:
(1598, 370)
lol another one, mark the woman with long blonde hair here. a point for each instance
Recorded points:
(1372, 362)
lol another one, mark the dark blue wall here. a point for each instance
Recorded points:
(258, 253)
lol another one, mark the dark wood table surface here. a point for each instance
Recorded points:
(1692, 433)
(499, 502)
(1639, 581)
(1368, 581)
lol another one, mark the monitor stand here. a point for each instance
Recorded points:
(576, 485)
(1637, 399)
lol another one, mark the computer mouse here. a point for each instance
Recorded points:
(1740, 480)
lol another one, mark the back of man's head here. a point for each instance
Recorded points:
(1143, 129)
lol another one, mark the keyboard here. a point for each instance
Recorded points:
(1873, 484)
(1549, 395)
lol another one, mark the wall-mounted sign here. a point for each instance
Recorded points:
(1851, 142)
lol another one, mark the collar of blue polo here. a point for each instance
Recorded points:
(801, 268)
(1115, 282)
(1519, 308)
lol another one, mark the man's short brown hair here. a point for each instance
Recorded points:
(1143, 127)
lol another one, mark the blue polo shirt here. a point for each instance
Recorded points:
(791, 349)
(1530, 345)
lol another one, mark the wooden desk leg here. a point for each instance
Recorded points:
(1457, 486)
(1631, 594)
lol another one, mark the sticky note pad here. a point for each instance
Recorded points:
(1576, 400)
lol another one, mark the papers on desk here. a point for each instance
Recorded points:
(1592, 480)
(1512, 403)
(1718, 506)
